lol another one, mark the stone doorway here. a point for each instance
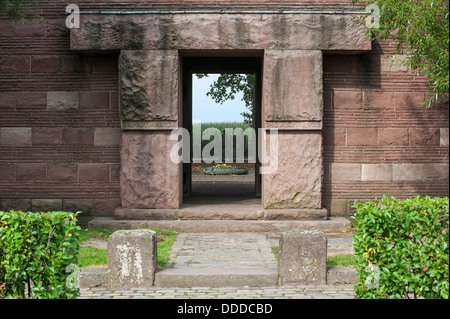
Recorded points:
(152, 49)
(225, 188)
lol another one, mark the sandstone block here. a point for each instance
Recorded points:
(288, 96)
(376, 172)
(393, 136)
(296, 181)
(436, 172)
(93, 172)
(132, 258)
(94, 100)
(6, 172)
(303, 258)
(345, 172)
(106, 136)
(62, 100)
(424, 136)
(45, 64)
(149, 179)
(443, 141)
(78, 136)
(34, 100)
(19, 136)
(7, 100)
(409, 100)
(379, 100)
(62, 172)
(347, 100)
(47, 135)
(220, 31)
(393, 63)
(46, 205)
(408, 172)
(361, 136)
(15, 64)
(148, 85)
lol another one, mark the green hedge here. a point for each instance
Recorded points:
(36, 250)
(401, 248)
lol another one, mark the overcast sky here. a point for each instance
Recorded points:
(204, 109)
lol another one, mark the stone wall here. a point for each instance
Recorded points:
(60, 125)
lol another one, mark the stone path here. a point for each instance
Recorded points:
(226, 266)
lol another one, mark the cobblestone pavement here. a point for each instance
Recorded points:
(284, 292)
(236, 250)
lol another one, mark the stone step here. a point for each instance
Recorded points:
(334, 226)
(216, 277)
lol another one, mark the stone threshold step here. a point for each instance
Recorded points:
(332, 226)
(216, 277)
(220, 212)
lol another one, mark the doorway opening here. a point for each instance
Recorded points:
(222, 113)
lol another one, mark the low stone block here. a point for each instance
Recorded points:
(62, 100)
(376, 172)
(407, 172)
(46, 205)
(132, 258)
(443, 137)
(303, 258)
(15, 136)
(107, 136)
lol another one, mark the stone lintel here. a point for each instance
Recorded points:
(329, 32)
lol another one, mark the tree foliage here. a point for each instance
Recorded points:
(421, 30)
(21, 10)
(228, 85)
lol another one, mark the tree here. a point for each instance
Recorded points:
(421, 30)
(228, 85)
(21, 10)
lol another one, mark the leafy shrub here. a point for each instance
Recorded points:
(35, 252)
(401, 248)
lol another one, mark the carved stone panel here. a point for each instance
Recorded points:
(292, 88)
(148, 86)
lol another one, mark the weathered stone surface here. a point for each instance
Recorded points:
(376, 172)
(292, 86)
(297, 182)
(148, 87)
(132, 258)
(107, 136)
(303, 258)
(62, 100)
(219, 31)
(407, 172)
(443, 141)
(149, 179)
(15, 135)
(46, 205)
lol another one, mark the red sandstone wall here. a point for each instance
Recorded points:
(55, 156)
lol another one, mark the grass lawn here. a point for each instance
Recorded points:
(91, 256)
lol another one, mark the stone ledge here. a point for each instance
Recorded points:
(220, 213)
(334, 225)
(216, 277)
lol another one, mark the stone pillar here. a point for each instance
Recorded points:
(148, 87)
(293, 104)
(303, 258)
(132, 258)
